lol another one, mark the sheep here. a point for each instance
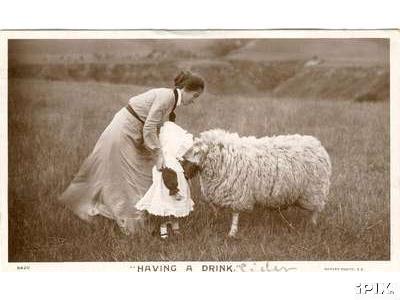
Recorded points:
(279, 171)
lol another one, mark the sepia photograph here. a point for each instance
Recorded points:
(197, 148)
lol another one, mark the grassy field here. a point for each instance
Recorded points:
(54, 125)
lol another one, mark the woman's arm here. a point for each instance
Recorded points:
(153, 122)
(150, 132)
(160, 163)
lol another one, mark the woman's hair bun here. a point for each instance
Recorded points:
(189, 81)
(181, 78)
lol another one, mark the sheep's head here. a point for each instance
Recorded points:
(197, 152)
(190, 169)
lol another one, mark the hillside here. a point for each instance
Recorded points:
(355, 69)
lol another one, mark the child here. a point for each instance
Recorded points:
(169, 195)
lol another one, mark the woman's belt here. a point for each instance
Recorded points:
(133, 113)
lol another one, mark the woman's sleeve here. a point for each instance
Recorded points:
(153, 121)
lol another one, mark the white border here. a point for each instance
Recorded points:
(393, 35)
(175, 14)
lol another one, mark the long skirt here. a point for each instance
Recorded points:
(115, 176)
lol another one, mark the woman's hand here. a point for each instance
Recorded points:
(160, 161)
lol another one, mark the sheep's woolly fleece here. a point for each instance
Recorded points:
(278, 171)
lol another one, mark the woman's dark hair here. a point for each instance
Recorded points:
(189, 81)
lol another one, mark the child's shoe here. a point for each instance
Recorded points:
(164, 232)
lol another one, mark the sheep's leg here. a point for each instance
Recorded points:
(316, 211)
(315, 204)
(215, 210)
(234, 225)
(314, 217)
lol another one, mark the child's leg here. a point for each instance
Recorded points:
(175, 226)
(164, 230)
(155, 223)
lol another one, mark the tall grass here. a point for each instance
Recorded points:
(54, 125)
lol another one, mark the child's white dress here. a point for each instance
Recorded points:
(175, 142)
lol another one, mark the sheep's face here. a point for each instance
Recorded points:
(197, 152)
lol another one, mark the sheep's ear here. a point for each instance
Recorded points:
(199, 146)
(204, 147)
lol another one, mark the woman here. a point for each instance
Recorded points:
(118, 172)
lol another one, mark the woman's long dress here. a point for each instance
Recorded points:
(118, 172)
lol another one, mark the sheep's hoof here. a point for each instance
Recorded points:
(233, 237)
(314, 219)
